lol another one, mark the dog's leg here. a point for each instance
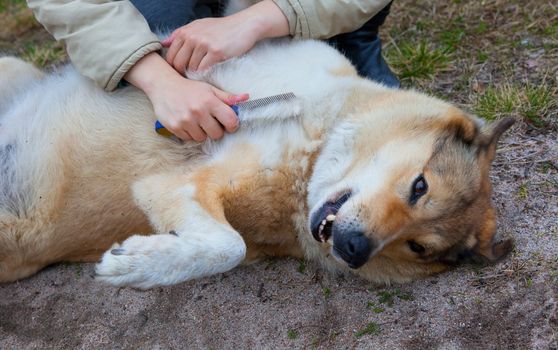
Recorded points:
(194, 241)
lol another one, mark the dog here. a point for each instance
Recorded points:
(390, 185)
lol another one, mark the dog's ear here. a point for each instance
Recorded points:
(482, 248)
(461, 125)
(487, 140)
(485, 249)
(489, 254)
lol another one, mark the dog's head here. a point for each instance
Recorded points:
(402, 189)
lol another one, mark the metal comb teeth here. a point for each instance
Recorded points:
(261, 102)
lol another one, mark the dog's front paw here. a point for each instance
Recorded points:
(142, 262)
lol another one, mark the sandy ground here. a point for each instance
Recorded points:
(286, 304)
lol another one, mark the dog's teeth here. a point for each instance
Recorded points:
(324, 222)
(330, 218)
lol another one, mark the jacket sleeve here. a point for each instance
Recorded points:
(322, 19)
(104, 39)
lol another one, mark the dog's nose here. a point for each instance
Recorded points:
(353, 247)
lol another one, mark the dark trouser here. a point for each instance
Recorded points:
(167, 15)
(363, 46)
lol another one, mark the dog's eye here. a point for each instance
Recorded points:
(415, 247)
(420, 187)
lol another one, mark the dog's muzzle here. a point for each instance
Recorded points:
(352, 247)
(349, 245)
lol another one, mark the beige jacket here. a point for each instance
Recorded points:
(104, 39)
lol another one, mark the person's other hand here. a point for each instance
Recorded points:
(205, 42)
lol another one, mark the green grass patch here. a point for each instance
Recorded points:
(375, 308)
(421, 25)
(452, 38)
(414, 61)
(496, 102)
(315, 342)
(77, 267)
(371, 328)
(522, 192)
(539, 101)
(534, 103)
(388, 297)
(301, 266)
(482, 56)
(405, 296)
(327, 292)
(545, 167)
(42, 55)
(292, 333)
(385, 297)
(481, 28)
(5, 5)
(551, 30)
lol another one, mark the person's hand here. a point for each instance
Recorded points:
(205, 42)
(191, 110)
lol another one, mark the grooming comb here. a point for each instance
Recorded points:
(240, 108)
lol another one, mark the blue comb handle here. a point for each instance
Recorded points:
(158, 125)
(235, 109)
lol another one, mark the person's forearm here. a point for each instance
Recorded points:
(148, 71)
(268, 18)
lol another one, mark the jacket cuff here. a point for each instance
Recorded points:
(129, 62)
(298, 25)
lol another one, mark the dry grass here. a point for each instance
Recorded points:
(16, 19)
(22, 35)
(496, 58)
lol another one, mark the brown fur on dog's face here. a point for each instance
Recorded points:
(454, 222)
(416, 231)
